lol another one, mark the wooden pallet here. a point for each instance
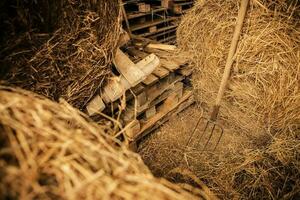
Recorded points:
(149, 101)
(164, 94)
(156, 19)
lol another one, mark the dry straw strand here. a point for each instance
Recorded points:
(52, 151)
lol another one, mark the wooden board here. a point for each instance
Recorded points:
(161, 30)
(150, 80)
(161, 72)
(128, 69)
(132, 15)
(95, 106)
(186, 71)
(114, 89)
(148, 64)
(137, 53)
(170, 65)
(162, 47)
(151, 23)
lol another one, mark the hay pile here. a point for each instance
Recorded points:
(239, 169)
(51, 151)
(259, 156)
(263, 94)
(72, 57)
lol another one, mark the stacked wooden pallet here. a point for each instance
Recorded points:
(150, 84)
(166, 91)
(150, 19)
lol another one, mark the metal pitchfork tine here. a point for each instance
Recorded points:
(214, 125)
(230, 59)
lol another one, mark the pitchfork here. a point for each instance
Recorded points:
(212, 121)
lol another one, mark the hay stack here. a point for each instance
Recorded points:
(263, 94)
(51, 151)
(72, 59)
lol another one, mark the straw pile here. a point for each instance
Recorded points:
(51, 151)
(263, 93)
(264, 168)
(72, 57)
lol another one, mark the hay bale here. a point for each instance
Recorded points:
(263, 94)
(73, 60)
(51, 151)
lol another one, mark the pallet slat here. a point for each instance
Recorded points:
(151, 23)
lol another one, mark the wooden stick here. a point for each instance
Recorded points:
(230, 59)
(125, 18)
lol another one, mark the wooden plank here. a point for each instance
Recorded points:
(138, 89)
(163, 33)
(177, 9)
(127, 68)
(158, 89)
(151, 23)
(172, 37)
(135, 90)
(162, 97)
(114, 89)
(95, 106)
(143, 7)
(137, 53)
(178, 89)
(186, 71)
(165, 3)
(159, 30)
(150, 112)
(150, 80)
(148, 64)
(152, 29)
(161, 72)
(141, 99)
(165, 47)
(170, 65)
(133, 15)
(117, 86)
(184, 3)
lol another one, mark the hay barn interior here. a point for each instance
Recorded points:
(149, 99)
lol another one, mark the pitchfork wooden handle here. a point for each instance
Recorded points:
(230, 60)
